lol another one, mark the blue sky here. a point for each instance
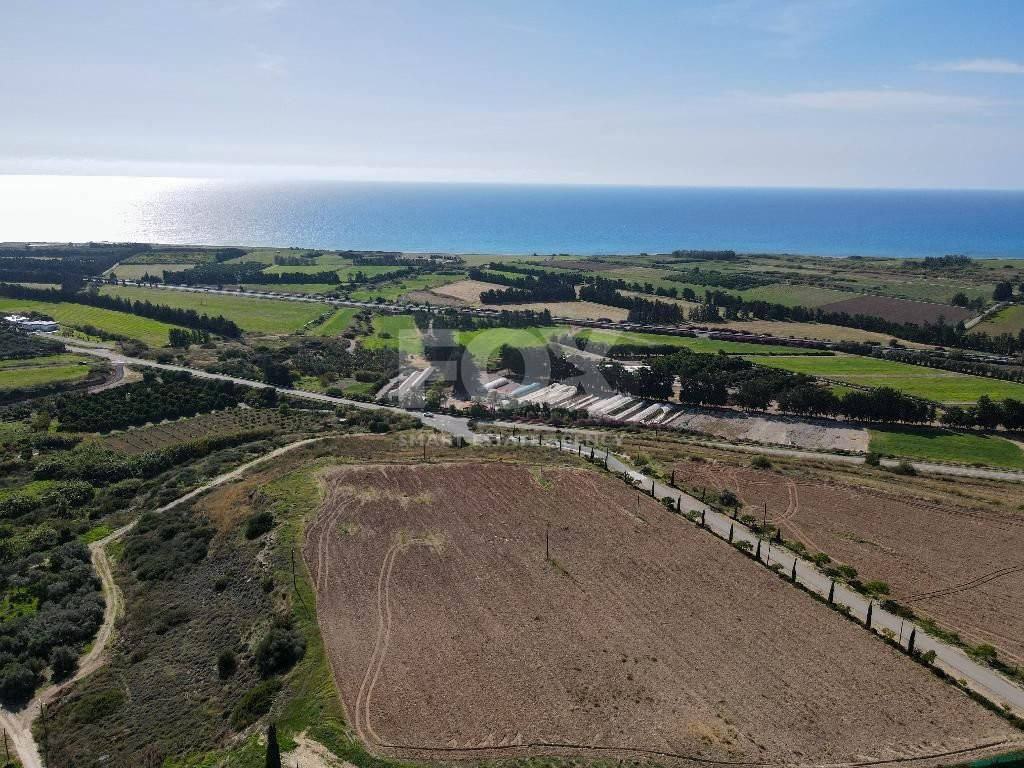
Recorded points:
(838, 93)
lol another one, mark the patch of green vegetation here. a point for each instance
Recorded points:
(1007, 320)
(485, 342)
(336, 323)
(396, 331)
(928, 383)
(16, 603)
(795, 295)
(941, 445)
(28, 378)
(152, 332)
(687, 342)
(251, 314)
(393, 291)
(95, 534)
(290, 287)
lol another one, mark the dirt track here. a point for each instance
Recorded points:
(964, 568)
(451, 636)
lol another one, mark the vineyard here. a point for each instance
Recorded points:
(218, 424)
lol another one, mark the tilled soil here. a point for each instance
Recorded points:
(453, 637)
(963, 568)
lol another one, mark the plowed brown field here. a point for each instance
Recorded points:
(452, 637)
(963, 568)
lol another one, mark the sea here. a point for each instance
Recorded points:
(512, 219)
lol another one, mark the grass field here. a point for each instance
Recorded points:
(254, 315)
(393, 291)
(291, 287)
(929, 383)
(396, 331)
(795, 295)
(486, 341)
(138, 271)
(1008, 320)
(36, 374)
(152, 332)
(940, 445)
(336, 323)
(686, 342)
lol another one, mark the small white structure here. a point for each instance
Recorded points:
(27, 324)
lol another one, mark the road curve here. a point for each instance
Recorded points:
(18, 725)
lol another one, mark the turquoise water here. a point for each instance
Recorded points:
(513, 219)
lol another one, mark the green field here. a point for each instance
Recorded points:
(940, 445)
(392, 331)
(483, 343)
(138, 271)
(393, 291)
(291, 287)
(152, 332)
(795, 295)
(29, 362)
(37, 375)
(251, 314)
(1008, 320)
(336, 323)
(687, 342)
(916, 380)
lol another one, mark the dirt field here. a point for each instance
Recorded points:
(465, 290)
(900, 310)
(774, 430)
(961, 567)
(452, 637)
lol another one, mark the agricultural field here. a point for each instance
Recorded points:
(688, 342)
(919, 381)
(640, 632)
(152, 332)
(1007, 320)
(958, 566)
(794, 295)
(291, 287)
(466, 291)
(901, 310)
(269, 316)
(572, 310)
(485, 342)
(232, 421)
(397, 331)
(942, 445)
(407, 289)
(133, 271)
(818, 331)
(40, 371)
(336, 323)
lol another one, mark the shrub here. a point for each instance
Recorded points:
(873, 459)
(227, 664)
(761, 462)
(905, 468)
(876, 588)
(64, 661)
(279, 650)
(727, 498)
(17, 682)
(97, 704)
(258, 524)
(255, 703)
(983, 652)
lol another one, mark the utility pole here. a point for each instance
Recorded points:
(547, 543)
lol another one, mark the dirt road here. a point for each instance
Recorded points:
(18, 725)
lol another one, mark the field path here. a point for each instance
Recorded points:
(18, 724)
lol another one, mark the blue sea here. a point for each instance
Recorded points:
(512, 219)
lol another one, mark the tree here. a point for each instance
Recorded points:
(960, 299)
(1003, 291)
(63, 661)
(273, 750)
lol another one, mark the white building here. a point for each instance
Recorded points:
(27, 324)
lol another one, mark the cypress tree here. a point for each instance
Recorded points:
(910, 641)
(273, 751)
(757, 555)
(792, 576)
(867, 619)
(831, 593)
(730, 533)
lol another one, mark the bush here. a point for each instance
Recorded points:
(255, 703)
(873, 459)
(97, 704)
(258, 524)
(227, 664)
(64, 661)
(905, 468)
(727, 498)
(279, 650)
(761, 462)
(17, 682)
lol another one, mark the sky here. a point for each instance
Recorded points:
(821, 93)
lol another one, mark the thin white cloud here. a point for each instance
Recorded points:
(270, 62)
(979, 66)
(787, 27)
(881, 100)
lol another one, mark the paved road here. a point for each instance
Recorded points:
(18, 725)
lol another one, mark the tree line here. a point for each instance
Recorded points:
(526, 289)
